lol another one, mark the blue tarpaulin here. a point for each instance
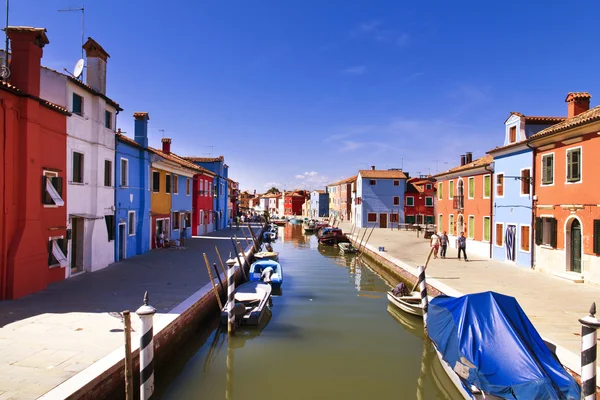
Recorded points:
(490, 342)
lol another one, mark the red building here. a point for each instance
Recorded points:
(33, 155)
(419, 200)
(203, 203)
(293, 202)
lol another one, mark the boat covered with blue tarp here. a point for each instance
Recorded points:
(487, 339)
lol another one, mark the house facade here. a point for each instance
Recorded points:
(245, 198)
(377, 191)
(34, 201)
(234, 189)
(132, 197)
(513, 225)
(319, 206)
(293, 202)
(464, 200)
(419, 200)
(90, 159)
(340, 198)
(567, 215)
(203, 203)
(217, 166)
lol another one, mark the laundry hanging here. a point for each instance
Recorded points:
(510, 242)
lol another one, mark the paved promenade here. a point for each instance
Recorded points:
(554, 305)
(48, 337)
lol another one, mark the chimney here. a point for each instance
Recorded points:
(26, 44)
(468, 157)
(463, 160)
(166, 145)
(373, 167)
(95, 65)
(141, 128)
(577, 102)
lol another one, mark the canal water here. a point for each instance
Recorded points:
(329, 335)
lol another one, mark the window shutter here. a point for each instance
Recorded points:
(57, 182)
(553, 232)
(49, 252)
(597, 236)
(44, 196)
(538, 231)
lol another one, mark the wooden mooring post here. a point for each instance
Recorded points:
(128, 358)
(212, 281)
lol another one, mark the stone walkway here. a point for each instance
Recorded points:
(48, 337)
(554, 305)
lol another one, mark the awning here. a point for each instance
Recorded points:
(86, 216)
(54, 193)
(59, 255)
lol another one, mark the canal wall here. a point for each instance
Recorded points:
(105, 379)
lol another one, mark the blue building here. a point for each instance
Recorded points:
(319, 204)
(221, 170)
(132, 197)
(379, 197)
(512, 232)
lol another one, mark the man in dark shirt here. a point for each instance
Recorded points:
(462, 245)
(443, 244)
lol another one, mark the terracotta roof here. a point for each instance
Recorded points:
(93, 48)
(46, 103)
(140, 115)
(536, 119)
(179, 160)
(205, 159)
(346, 180)
(591, 115)
(382, 174)
(578, 95)
(508, 146)
(41, 31)
(480, 162)
(126, 139)
(319, 191)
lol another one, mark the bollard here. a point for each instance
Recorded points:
(424, 299)
(230, 297)
(146, 314)
(589, 326)
(128, 358)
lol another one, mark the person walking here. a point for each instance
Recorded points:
(435, 243)
(443, 244)
(462, 245)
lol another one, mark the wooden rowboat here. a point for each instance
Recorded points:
(267, 255)
(409, 304)
(251, 303)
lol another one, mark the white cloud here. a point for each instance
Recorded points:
(311, 180)
(357, 70)
(269, 185)
(349, 145)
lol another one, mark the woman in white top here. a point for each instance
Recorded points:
(435, 243)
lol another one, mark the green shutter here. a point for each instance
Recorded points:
(471, 187)
(486, 229)
(597, 236)
(440, 191)
(569, 165)
(538, 231)
(553, 232)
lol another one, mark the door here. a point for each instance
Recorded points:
(576, 246)
(509, 242)
(122, 241)
(77, 225)
(460, 225)
(383, 220)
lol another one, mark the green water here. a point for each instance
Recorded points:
(330, 335)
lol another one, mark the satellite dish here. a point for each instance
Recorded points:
(78, 68)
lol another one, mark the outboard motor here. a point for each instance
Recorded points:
(266, 274)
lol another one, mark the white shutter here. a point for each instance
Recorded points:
(54, 193)
(59, 255)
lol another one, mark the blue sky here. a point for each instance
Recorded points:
(303, 93)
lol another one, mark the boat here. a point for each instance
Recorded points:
(268, 236)
(347, 248)
(331, 236)
(268, 271)
(251, 302)
(490, 349)
(410, 304)
(309, 227)
(279, 222)
(295, 220)
(267, 255)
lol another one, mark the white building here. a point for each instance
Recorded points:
(90, 160)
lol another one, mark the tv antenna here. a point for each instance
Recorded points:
(211, 150)
(82, 9)
(162, 132)
(5, 73)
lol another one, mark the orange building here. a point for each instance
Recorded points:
(464, 200)
(566, 196)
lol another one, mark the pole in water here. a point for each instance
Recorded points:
(424, 298)
(146, 314)
(589, 327)
(230, 361)
(230, 297)
(128, 358)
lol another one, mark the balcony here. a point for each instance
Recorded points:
(458, 202)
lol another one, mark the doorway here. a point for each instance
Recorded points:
(510, 241)
(575, 244)
(77, 231)
(383, 220)
(122, 242)
(460, 225)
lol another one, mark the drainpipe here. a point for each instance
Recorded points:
(491, 171)
(532, 191)
(4, 287)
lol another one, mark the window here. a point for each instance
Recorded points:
(410, 201)
(396, 183)
(396, 200)
(176, 184)
(188, 185)
(574, 165)
(487, 186)
(108, 119)
(486, 229)
(155, 181)
(77, 167)
(372, 182)
(168, 183)
(410, 219)
(77, 104)
(471, 227)
(451, 190)
(428, 201)
(440, 222)
(525, 237)
(394, 217)
(107, 173)
(525, 182)
(176, 217)
(512, 134)
(188, 220)
(202, 187)
(371, 217)
(52, 188)
(124, 172)
(499, 234)
(110, 226)
(451, 224)
(440, 191)
(429, 186)
(429, 220)
(597, 236)
(57, 248)
(548, 169)
(545, 231)
(471, 187)
(500, 185)
(131, 220)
